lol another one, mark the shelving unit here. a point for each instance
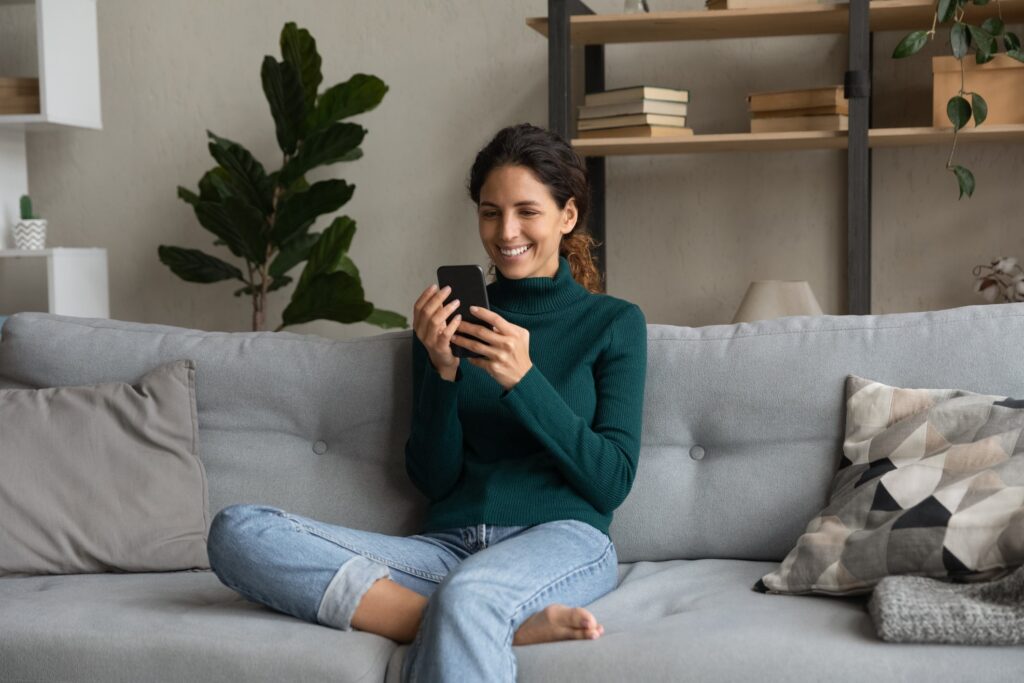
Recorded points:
(571, 22)
(62, 52)
(64, 281)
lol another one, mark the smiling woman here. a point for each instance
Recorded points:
(523, 453)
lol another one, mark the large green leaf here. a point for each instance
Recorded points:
(292, 254)
(238, 224)
(965, 179)
(195, 266)
(959, 111)
(912, 43)
(945, 10)
(992, 26)
(383, 318)
(980, 108)
(333, 296)
(299, 49)
(188, 195)
(283, 88)
(1011, 41)
(323, 197)
(326, 146)
(328, 255)
(958, 39)
(984, 44)
(360, 93)
(246, 175)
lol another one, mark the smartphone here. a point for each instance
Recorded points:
(468, 286)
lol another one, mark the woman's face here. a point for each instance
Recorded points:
(517, 210)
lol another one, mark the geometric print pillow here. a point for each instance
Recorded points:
(931, 483)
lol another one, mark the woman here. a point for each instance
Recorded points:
(523, 453)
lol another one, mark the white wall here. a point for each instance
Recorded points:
(685, 233)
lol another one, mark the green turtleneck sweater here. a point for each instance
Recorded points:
(563, 443)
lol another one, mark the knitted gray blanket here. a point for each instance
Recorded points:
(915, 609)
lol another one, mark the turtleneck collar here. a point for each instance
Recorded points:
(536, 294)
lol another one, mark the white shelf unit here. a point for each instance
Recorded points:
(64, 281)
(58, 44)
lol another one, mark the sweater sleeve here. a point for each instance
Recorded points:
(433, 451)
(599, 461)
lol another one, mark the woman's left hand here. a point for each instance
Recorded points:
(505, 347)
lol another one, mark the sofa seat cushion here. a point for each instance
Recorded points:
(168, 626)
(699, 620)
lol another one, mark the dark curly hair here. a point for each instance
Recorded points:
(556, 164)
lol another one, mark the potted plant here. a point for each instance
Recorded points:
(964, 37)
(265, 218)
(30, 231)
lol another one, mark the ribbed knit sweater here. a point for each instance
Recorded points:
(564, 442)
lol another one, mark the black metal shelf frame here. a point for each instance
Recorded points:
(857, 90)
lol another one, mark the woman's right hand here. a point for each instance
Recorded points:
(428, 320)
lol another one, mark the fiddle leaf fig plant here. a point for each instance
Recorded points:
(964, 37)
(264, 218)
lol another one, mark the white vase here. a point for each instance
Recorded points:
(30, 234)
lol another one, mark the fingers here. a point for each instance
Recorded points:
(483, 333)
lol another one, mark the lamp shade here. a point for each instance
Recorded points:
(776, 298)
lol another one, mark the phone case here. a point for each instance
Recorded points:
(468, 286)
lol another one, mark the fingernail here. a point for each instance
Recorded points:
(472, 308)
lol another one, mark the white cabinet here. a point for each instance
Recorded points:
(65, 281)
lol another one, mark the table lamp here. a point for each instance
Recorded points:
(776, 298)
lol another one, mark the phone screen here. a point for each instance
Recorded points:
(468, 286)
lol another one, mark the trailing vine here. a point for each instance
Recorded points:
(964, 37)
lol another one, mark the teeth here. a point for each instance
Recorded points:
(515, 252)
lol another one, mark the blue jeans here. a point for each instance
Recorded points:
(482, 582)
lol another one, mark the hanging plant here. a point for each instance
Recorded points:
(964, 38)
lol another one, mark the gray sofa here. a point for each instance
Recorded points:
(742, 432)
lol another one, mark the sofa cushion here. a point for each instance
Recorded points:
(170, 626)
(698, 620)
(931, 484)
(103, 478)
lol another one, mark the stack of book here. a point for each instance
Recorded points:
(19, 96)
(637, 111)
(793, 110)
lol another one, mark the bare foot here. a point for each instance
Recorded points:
(558, 622)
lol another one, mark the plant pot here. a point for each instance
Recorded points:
(30, 234)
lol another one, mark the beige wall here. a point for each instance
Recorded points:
(685, 233)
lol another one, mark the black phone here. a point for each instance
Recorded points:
(468, 286)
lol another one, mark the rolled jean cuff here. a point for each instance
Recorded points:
(346, 589)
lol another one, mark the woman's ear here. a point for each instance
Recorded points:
(569, 216)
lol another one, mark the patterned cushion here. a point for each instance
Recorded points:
(931, 483)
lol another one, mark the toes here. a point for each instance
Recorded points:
(583, 618)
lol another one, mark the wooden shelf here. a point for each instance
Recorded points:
(808, 19)
(751, 142)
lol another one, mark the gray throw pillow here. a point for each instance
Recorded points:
(931, 483)
(103, 478)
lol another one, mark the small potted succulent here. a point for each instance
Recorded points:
(30, 231)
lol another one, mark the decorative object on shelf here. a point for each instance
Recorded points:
(1002, 279)
(19, 95)
(30, 231)
(778, 111)
(755, 4)
(963, 37)
(766, 299)
(635, 6)
(1001, 79)
(265, 218)
(635, 111)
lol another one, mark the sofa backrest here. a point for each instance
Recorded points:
(743, 424)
